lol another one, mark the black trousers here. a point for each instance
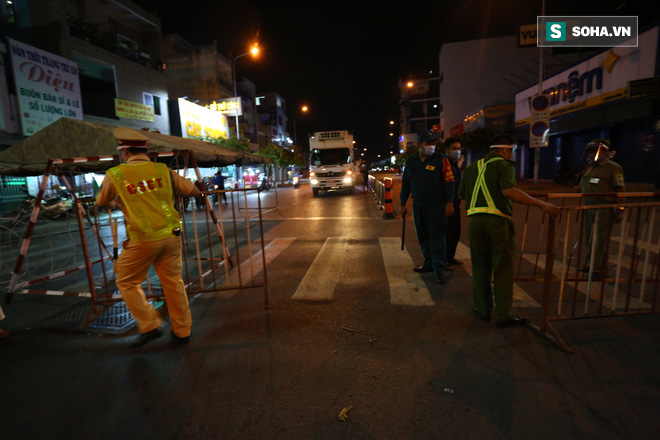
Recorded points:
(453, 234)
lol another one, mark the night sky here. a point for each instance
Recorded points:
(344, 59)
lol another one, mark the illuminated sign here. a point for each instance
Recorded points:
(527, 35)
(47, 87)
(227, 107)
(134, 110)
(200, 122)
(598, 80)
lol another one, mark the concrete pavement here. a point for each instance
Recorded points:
(410, 371)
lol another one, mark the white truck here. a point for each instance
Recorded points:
(332, 164)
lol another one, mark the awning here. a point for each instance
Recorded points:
(68, 138)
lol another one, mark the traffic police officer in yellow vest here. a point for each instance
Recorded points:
(489, 188)
(602, 175)
(144, 190)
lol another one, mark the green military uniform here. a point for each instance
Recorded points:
(603, 176)
(491, 231)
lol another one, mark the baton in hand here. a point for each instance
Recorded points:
(403, 231)
(115, 245)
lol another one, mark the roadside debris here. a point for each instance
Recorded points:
(343, 414)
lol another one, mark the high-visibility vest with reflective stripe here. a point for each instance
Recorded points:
(146, 192)
(480, 186)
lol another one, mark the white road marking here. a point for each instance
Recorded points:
(321, 278)
(273, 249)
(406, 286)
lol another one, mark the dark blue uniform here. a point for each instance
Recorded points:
(431, 184)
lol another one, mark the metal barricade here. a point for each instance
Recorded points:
(625, 236)
(378, 188)
(223, 250)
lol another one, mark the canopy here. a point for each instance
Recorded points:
(69, 138)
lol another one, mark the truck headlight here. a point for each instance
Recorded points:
(314, 182)
(348, 180)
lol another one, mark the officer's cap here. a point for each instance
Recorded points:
(426, 136)
(130, 138)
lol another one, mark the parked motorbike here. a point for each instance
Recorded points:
(51, 208)
(296, 182)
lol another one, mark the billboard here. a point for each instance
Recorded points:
(598, 80)
(200, 122)
(228, 107)
(134, 110)
(47, 87)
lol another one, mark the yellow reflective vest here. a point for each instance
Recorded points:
(480, 186)
(146, 192)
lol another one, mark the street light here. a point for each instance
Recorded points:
(303, 109)
(254, 51)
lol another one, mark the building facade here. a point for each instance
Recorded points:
(271, 111)
(613, 94)
(84, 59)
(419, 105)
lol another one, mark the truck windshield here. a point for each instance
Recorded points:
(331, 156)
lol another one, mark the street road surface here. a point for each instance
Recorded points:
(349, 324)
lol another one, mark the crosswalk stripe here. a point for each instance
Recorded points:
(273, 249)
(321, 278)
(520, 297)
(406, 286)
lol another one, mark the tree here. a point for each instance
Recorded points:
(283, 157)
(242, 144)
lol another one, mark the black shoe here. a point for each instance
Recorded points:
(146, 337)
(512, 322)
(178, 339)
(454, 262)
(422, 269)
(440, 279)
(481, 317)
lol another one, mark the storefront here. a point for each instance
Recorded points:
(593, 99)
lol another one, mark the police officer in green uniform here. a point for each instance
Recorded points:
(602, 175)
(489, 188)
(428, 178)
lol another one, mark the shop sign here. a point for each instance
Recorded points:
(598, 80)
(457, 130)
(200, 122)
(527, 35)
(134, 110)
(228, 107)
(47, 86)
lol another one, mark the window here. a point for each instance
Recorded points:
(97, 87)
(9, 12)
(152, 100)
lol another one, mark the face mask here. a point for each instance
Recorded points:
(429, 150)
(455, 154)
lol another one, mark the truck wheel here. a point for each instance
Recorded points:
(315, 191)
(350, 189)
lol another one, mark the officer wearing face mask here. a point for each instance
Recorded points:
(428, 178)
(489, 190)
(455, 156)
(602, 175)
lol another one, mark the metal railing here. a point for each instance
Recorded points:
(223, 250)
(624, 235)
